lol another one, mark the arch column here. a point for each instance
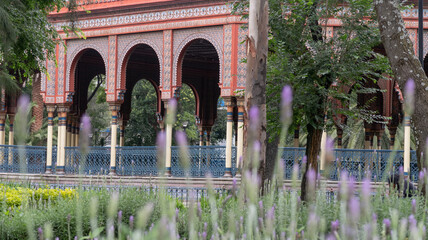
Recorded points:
(2, 128)
(114, 108)
(406, 145)
(11, 132)
(50, 109)
(122, 133)
(240, 145)
(339, 137)
(62, 137)
(208, 138)
(168, 133)
(229, 129)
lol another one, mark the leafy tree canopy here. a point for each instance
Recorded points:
(26, 38)
(317, 63)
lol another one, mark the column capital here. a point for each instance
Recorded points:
(63, 108)
(50, 107)
(114, 107)
(240, 101)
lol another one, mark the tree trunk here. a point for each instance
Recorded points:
(312, 151)
(405, 65)
(255, 87)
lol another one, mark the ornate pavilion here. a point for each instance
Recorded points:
(168, 43)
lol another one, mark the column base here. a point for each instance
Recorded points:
(60, 170)
(112, 171)
(228, 174)
(168, 172)
(48, 170)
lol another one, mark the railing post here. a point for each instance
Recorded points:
(2, 128)
(11, 136)
(406, 145)
(50, 109)
(323, 152)
(62, 131)
(240, 146)
(168, 136)
(114, 108)
(229, 126)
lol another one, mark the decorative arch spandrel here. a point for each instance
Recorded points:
(74, 47)
(127, 42)
(181, 38)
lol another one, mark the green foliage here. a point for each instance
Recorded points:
(98, 111)
(303, 56)
(26, 38)
(142, 125)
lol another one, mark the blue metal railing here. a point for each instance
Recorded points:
(97, 161)
(203, 160)
(357, 162)
(136, 161)
(142, 161)
(22, 159)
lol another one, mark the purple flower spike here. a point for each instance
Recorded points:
(329, 146)
(304, 159)
(412, 220)
(335, 225)
(119, 216)
(287, 98)
(311, 177)
(409, 94)
(366, 188)
(287, 95)
(131, 221)
(23, 103)
(387, 222)
(414, 206)
(161, 140)
(86, 124)
(257, 146)
(172, 104)
(261, 205)
(254, 117)
(181, 138)
(354, 208)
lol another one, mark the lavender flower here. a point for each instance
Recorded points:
(287, 98)
(180, 136)
(409, 94)
(365, 188)
(40, 232)
(119, 216)
(84, 133)
(254, 118)
(160, 148)
(131, 222)
(23, 103)
(335, 225)
(354, 209)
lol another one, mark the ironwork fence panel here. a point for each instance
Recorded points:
(203, 160)
(22, 159)
(292, 156)
(356, 162)
(136, 161)
(97, 161)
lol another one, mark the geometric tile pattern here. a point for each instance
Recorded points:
(167, 58)
(227, 70)
(242, 54)
(111, 74)
(148, 17)
(127, 42)
(74, 47)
